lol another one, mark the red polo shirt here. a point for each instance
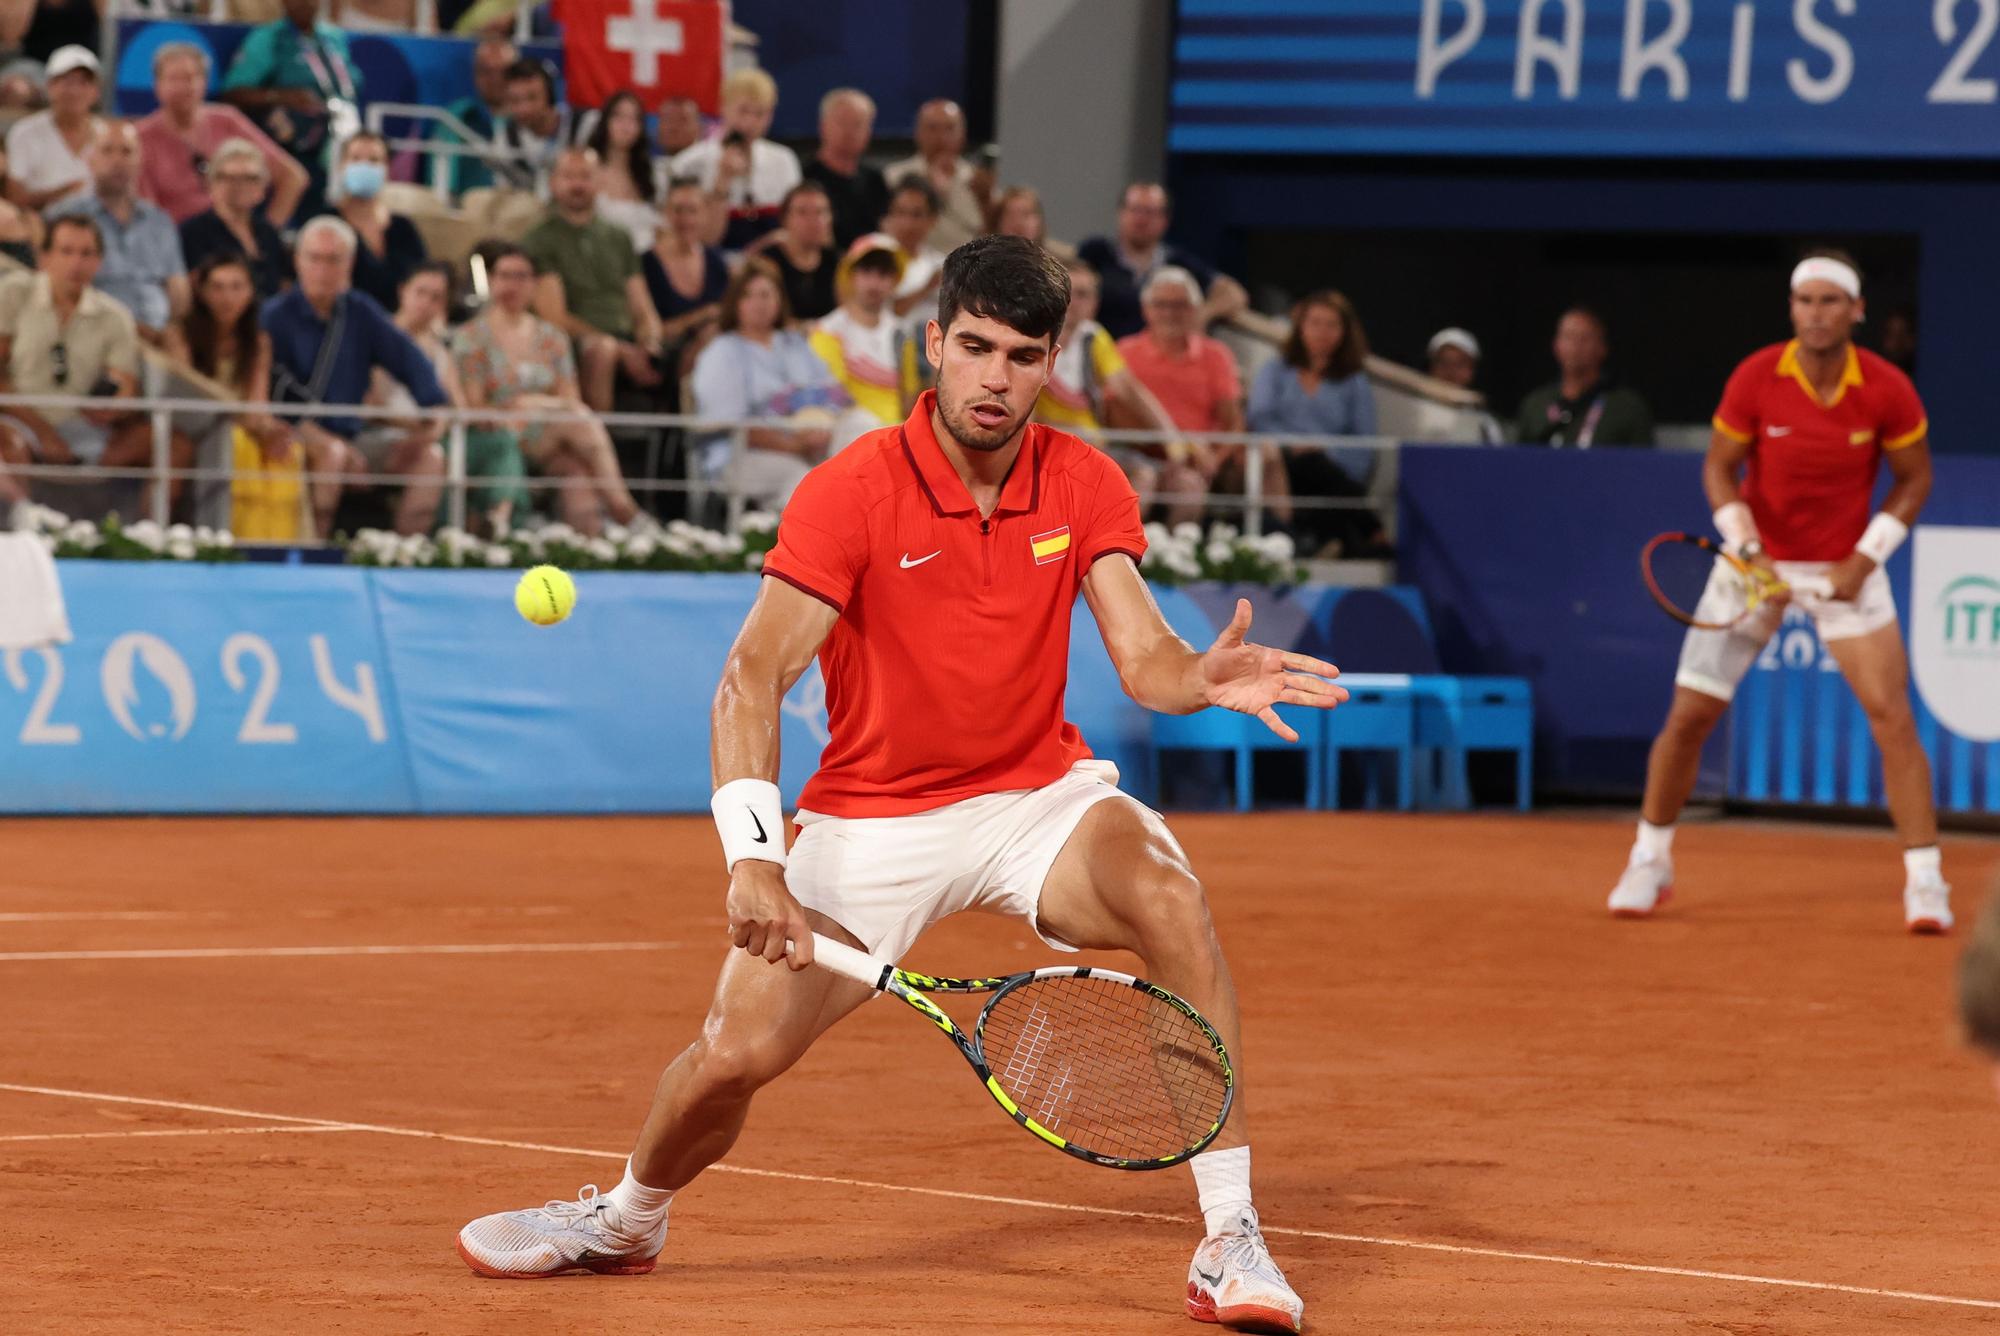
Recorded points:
(946, 670)
(1810, 480)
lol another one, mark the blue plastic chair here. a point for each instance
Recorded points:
(1379, 716)
(1244, 736)
(1456, 715)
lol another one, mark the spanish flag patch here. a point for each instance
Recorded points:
(1049, 546)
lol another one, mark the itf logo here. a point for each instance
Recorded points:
(1955, 627)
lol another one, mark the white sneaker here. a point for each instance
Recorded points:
(1927, 907)
(563, 1236)
(1646, 886)
(1233, 1280)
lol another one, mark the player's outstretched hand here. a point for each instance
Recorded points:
(1250, 679)
(763, 916)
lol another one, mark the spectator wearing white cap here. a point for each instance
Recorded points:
(45, 151)
(1455, 355)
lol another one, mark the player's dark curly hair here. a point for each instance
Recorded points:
(1009, 279)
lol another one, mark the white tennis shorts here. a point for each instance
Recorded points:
(887, 878)
(1714, 662)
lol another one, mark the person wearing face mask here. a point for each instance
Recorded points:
(391, 247)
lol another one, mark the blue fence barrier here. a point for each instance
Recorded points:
(329, 689)
(1528, 560)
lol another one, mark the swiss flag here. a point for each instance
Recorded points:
(656, 48)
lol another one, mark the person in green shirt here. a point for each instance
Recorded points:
(591, 286)
(297, 81)
(1583, 408)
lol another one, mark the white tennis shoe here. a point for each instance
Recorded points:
(1927, 906)
(1233, 1281)
(1647, 884)
(563, 1236)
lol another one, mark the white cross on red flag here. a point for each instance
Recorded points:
(656, 48)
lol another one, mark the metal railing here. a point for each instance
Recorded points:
(213, 416)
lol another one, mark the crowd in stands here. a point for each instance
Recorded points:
(659, 264)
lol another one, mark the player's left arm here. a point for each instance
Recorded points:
(1909, 488)
(1164, 673)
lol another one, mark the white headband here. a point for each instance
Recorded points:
(1828, 270)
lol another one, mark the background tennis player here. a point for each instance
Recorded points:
(1807, 424)
(932, 568)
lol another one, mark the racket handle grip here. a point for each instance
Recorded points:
(847, 962)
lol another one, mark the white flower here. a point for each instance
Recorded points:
(32, 518)
(1185, 567)
(181, 548)
(499, 556)
(1218, 551)
(148, 535)
(616, 534)
(530, 541)
(758, 521)
(82, 533)
(601, 549)
(754, 562)
(1279, 547)
(680, 545)
(1224, 533)
(180, 531)
(1156, 534)
(558, 533)
(224, 538)
(1187, 532)
(681, 528)
(204, 536)
(641, 547)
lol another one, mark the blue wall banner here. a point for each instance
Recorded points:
(330, 689)
(1589, 78)
(195, 689)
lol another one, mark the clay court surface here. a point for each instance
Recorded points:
(1471, 1088)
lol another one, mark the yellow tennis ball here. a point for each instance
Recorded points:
(545, 595)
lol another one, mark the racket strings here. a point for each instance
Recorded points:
(1105, 1065)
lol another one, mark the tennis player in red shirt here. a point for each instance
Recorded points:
(932, 569)
(1807, 425)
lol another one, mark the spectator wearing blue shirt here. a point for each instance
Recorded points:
(1126, 262)
(1319, 387)
(295, 78)
(142, 269)
(326, 342)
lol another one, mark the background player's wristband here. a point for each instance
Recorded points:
(1885, 533)
(1736, 526)
(750, 817)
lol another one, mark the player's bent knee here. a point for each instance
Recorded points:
(1176, 911)
(730, 1069)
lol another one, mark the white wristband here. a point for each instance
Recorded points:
(1884, 534)
(1736, 526)
(750, 817)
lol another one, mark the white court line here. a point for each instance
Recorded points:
(1366, 1240)
(243, 952)
(102, 916)
(175, 1132)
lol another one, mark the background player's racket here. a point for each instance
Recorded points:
(1109, 1068)
(1678, 567)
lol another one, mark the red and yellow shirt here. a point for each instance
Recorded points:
(946, 671)
(1810, 481)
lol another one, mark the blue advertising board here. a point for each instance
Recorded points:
(1589, 78)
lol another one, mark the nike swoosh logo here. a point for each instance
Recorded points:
(1211, 1281)
(906, 563)
(762, 838)
(1777, 431)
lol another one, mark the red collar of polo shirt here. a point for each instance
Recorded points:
(1788, 365)
(941, 483)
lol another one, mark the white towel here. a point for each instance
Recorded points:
(31, 601)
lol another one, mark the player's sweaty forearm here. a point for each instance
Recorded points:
(744, 724)
(1167, 679)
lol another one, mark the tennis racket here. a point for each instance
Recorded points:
(1679, 567)
(1108, 1068)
